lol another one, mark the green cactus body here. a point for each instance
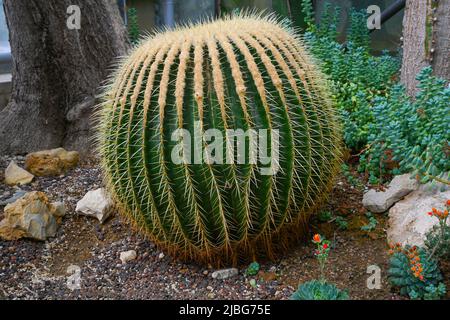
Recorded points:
(241, 73)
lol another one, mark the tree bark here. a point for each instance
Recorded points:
(57, 71)
(426, 40)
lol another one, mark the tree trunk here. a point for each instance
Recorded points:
(57, 71)
(426, 40)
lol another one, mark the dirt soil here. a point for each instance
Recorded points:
(38, 270)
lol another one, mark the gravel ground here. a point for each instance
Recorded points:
(39, 270)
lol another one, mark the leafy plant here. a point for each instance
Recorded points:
(354, 181)
(321, 252)
(245, 73)
(133, 26)
(437, 240)
(252, 269)
(324, 216)
(357, 76)
(372, 224)
(319, 290)
(412, 133)
(415, 273)
(341, 223)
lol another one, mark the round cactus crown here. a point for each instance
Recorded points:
(242, 74)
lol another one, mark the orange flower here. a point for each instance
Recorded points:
(317, 238)
(448, 202)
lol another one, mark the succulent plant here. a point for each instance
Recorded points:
(243, 72)
(417, 275)
(253, 269)
(319, 290)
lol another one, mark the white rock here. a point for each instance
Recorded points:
(400, 186)
(408, 219)
(161, 256)
(128, 256)
(225, 273)
(96, 203)
(15, 175)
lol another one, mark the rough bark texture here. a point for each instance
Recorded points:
(441, 56)
(57, 71)
(426, 40)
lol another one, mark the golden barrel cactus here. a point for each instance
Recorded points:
(243, 73)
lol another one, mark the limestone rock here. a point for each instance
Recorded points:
(16, 196)
(408, 219)
(15, 175)
(128, 256)
(31, 216)
(96, 203)
(400, 186)
(225, 273)
(51, 162)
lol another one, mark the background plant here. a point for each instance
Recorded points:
(412, 133)
(357, 76)
(372, 223)
(134, 32)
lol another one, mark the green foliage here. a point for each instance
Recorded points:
(341, 223)
(423, 285)
(372, 224)
(324, 216)
(357, 76)
(354, 181)
(414, 133)
(308, 13)
(252, 269)
(433, 292)
(319, 290)
(133, 26)
(439, 241)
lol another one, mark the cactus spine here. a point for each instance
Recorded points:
(242, 72)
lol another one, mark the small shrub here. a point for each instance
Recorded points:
(437, 240)
(412, 133)
(357, 77)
